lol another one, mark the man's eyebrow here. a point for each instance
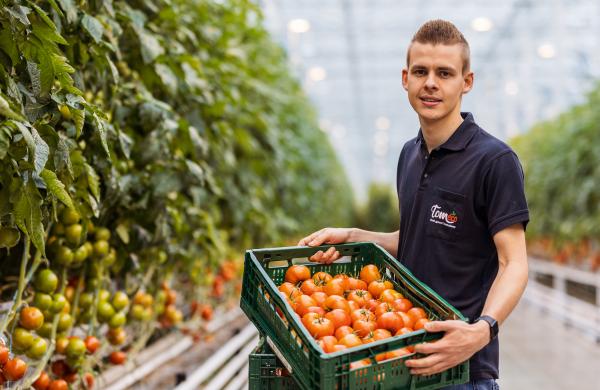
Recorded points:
(447, 68)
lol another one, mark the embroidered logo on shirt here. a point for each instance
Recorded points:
(442, 217)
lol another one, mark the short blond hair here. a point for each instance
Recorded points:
(442, 32)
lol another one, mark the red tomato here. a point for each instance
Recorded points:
(42, 382)
(117, 357)
(336, 302)
(360, 364)
(14, 369)
(361, 297)
(309, 287)
(327, 343)
(320, 278)
(416, 313)
(362, 327)
(335, 287)
(356, 284)
(319, 297)
(320, 327)
(408, 321)
(372, 304)
(420, 324)
(350, 340)
(383, 307)
(402, 304)
(3, 355)
(91, 344)
(339, 318)
(58, 384)
(362, 314)
(389, 295)
(380, 334)
(303, 302)
(342, 331)
(369, 273)
(289, 290)
(316, 309)
(339, 347)
(376, 287)
(89, 380)
(353, 306)
(297, 273)
(390, 321)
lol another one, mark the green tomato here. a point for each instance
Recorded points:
(9, 237)
(75, 362)
(105, 311)
(59, 303)
(69, 217)
(64, 322)
(161, 297)
(137, 312)
(46, 281)
(80, 254)
(22, 338)
(120, 300)
(110, 258)
(117, 320)
(37, 349)
(45, 330)
(102, 233)
(42, 301)
(85, 300)
(85, 316)
(63, 255)
(147, 316)
(104, 295)
(73, 233)
(75, 348)
(58, 229)
(101, 248)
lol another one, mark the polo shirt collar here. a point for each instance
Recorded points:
(460, 138)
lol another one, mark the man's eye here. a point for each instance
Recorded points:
(444, 74)
(419, 72)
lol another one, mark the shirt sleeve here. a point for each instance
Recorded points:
(504, 188)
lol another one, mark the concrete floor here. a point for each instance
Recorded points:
(538, 352)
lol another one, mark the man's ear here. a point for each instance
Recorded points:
(405, 78)
(469, 79)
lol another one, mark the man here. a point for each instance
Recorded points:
(463, 211)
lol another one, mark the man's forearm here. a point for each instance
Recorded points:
(506, 290)
(389, 241)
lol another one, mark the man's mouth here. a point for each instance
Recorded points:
(430, 101)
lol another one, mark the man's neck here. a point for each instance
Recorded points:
(437, 132)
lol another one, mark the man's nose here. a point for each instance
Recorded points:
(431, 82)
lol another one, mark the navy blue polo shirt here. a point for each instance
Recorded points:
(452, 202)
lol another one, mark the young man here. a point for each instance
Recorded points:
(463, 211)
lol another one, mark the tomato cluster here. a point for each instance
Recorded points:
(345, 311)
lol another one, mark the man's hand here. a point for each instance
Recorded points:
(326, 236)
(460, 342)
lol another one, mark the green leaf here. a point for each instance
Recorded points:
(41, 153)
(9, 45)
(44, 16)
(48, 33)
(70, 9)
(79, 119)
(56, 187)
(46, 72)
(93, 27)
(101, 133)
(60, 65)
(93, 181)
(5, 139)
(28, 215)
(123, 233)
(20, 13)
(151, 47)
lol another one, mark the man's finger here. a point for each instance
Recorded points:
(430, 370)
(425, 362)
(442, 326)
(429, 348)
(317, 256)
(309, 238)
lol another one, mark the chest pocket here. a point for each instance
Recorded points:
(445, 214)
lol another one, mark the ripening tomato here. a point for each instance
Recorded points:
(363, 327)
(320, 278)
(319, 297)
(92, 344)
(369, 273)
(335, 287)
(58, 384)
(360, 297)
(342, 331)
(390, 321)
(350, 340)
(117, 357)
(297, 273)
(309, 287)
(339, 318)
(14, 369)
(416, 313)
(402, 304)
(319, 327)
(336, 302)
(327, 343)
(362, 314)
(389, 295)
(303, 302)
(356, 284)
(42, 382)
(420, 324)
(31, 318)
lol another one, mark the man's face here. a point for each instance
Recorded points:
(434, 80)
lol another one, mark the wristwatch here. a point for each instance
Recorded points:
(492, 323)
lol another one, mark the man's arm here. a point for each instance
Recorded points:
(462, 340)
(389, 241)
